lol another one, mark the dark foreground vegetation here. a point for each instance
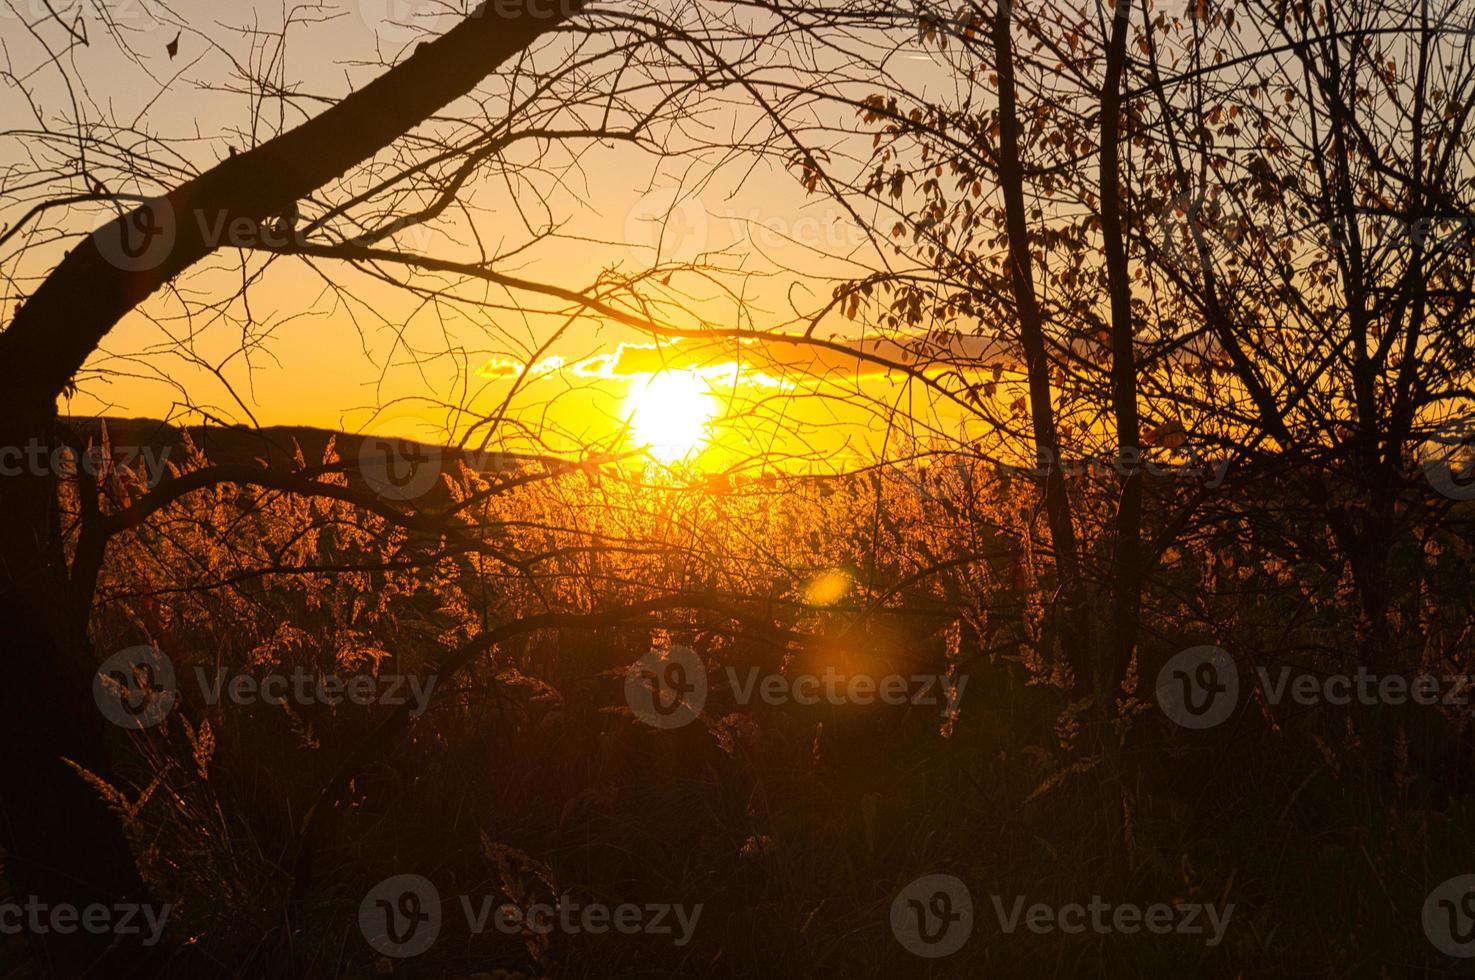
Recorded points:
(792, 826)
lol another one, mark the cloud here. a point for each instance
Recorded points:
(772, 364)
(507, 367)
(714, 362)
(916, 353)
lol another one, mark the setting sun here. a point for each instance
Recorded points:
(671, 413)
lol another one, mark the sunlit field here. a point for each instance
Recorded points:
(620, 490)
(526, 774)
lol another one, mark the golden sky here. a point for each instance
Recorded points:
(320, 343)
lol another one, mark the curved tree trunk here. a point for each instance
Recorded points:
(62, 844)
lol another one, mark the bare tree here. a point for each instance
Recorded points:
(62, 842)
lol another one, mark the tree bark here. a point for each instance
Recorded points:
(1037, 363)
(1127, 558)
(62, 844)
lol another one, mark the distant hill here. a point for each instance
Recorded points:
(275, 445)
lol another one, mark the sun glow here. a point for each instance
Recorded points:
(671, 414)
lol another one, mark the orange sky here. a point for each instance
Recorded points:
(365, 356)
